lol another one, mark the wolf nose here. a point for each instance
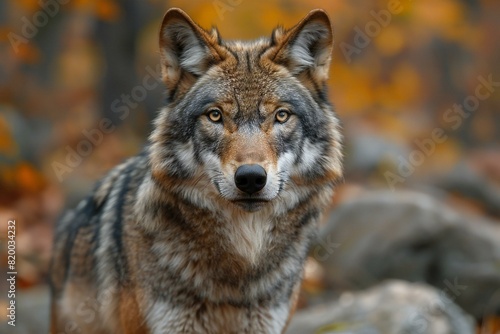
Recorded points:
(250, 178)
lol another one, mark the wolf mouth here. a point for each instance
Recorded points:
(250, 200)
(250, 204)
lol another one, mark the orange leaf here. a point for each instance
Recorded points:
(28, 179)
(108, 10)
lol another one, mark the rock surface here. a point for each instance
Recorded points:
(393, 307)
(413, 237)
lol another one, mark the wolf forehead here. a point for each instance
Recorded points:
(247, 70)
(250, 75)
(237, 94)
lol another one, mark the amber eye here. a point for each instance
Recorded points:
(215, 115)
(282, 115)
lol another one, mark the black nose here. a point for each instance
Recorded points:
(250, 178)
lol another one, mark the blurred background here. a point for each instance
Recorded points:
(412, 244)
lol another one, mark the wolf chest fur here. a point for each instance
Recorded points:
(207, 229)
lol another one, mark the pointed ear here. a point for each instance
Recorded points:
(187, 50)
(305, 47)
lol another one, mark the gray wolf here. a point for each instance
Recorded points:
(207, 230)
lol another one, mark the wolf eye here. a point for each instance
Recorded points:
(282, 115)
(215, 115)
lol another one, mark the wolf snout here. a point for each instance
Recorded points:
(250, 178)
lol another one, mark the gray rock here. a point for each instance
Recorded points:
(413, 237)
(471, 184)
(394, 307)
(365, 153)
(32, 312)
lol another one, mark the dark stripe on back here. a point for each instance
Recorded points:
(117, 227)
(82, 218)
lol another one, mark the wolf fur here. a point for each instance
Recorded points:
(167, 243)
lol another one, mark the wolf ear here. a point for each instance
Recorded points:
(305, 47)
(187, 50)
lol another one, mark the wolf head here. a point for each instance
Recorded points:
(247, 123)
